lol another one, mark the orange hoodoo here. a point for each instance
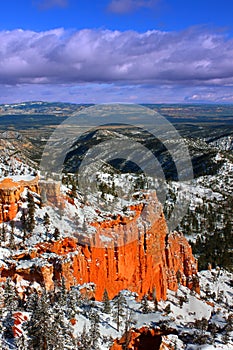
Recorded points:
(10, 192)
(134, 253)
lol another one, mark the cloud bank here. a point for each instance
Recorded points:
(194, 57)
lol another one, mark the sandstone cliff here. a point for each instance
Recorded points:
(134, 252)
(10, 192)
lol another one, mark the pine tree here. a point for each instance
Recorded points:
(181, 301)
(76, 220)
(226, 338)
(60, 337)
(10, 297)
(145, 305)
(84, 342)
(8, 323)
(32, 302)
(94, 330)
(73, 193)
(229, 325)
(119, 304)
(46, 222)
(168, 309)
(63, 293)
(71, 303)
(12, 235)
(31, 212)
(207, 290)
(21, 343)
(84, 226)
(129, 322)
(63, 286)
(23, 220)
(1, 315)
(39, 327)
(178, 276)
(202, 324)
(56, 234)
(3, 232)
(156, 308)
(106, 303)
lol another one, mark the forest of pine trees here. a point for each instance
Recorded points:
(49, 325)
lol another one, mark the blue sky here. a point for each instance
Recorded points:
(152, 51)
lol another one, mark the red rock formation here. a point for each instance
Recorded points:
(19, 319)
(122, 254)
(10, 192)
(141, 339)
(179, 258)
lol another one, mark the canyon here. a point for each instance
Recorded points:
(134, 252)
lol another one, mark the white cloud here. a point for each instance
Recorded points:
(104, 56)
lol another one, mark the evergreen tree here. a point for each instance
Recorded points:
(156, 308)
(220, 296)
(229, 325)
(178, 276)
(72, 302)
(168, 309)
(181, 301)
(12, 235)
(39, 328)
(207, 290)
(63, 287)
(8, 323)
(73, 193)
(226, 338)
(95, 330)
(129, 322)
(23, 220)
(31, 212)
(46, 222)
(77, 220)
(144, 305)
(32, 302)
(84, 225)
(56, 234)
(10, 297)
(106, 303)
(60, 337)
(119, 304)
(1, 315)
(84, 342)
(3, 232)
(22, 343)
(195, 283)
(62, 293)
(202, 324)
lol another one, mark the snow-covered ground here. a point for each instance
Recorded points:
(182, 316)
(196, 318)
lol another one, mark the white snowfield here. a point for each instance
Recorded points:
(183, 309)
